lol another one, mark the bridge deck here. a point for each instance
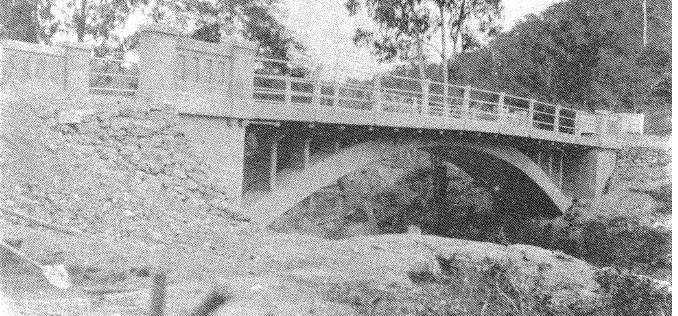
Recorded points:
(403, 102)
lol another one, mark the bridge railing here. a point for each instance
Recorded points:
(226, 78)
(110, 76)
(405, 95)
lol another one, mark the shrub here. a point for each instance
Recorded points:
(630, 295)
(458, 289)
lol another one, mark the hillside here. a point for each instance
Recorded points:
(109, 171)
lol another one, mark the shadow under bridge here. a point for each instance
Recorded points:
(517, 184)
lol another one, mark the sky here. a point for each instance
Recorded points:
(326, 29)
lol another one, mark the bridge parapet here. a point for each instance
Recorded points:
(227, 80)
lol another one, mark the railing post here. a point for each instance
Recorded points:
(556, 119)
(502, 110)
(530, 114)
(466, 103)
(424, 97)
(316, 92)
(288, 89)
(336, 95)
(376, 107)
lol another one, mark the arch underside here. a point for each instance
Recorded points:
(522, 185)
(513, 189)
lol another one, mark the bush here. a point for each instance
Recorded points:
(616, 242)
(630, 295)
(458, 289)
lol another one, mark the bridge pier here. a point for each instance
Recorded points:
(591, 171)
(273, 162)
(307, 152)
(440, 181)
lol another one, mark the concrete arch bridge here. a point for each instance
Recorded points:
(273, 135)
(298, 160)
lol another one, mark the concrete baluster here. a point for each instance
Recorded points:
(530, 114)
(336, 95)
(502, 109)
(316, 92)
(466, 103)
(288, 89)
(556, 118)
(424, 97)
(376, 107)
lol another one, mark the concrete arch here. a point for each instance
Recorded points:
(293, 186)
(515, 159)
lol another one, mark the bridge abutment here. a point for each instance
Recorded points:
(592, 170)
(222, 146)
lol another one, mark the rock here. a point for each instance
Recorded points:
(76, 116)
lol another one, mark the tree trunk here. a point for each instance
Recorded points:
(443, 53)
(422, 70)
(644, 23)
(81, 23)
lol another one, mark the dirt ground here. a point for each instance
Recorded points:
(263, 273)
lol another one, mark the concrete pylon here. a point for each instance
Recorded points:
(594, 168)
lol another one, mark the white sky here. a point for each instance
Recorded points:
(326, 29)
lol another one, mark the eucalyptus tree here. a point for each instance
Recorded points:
(253, 20)
(405, 27)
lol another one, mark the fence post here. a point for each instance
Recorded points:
(502, 110)
(336, 95)
(288, 89)
(316, 92)
(577, 124)
(530, 114)
(556, 118)
(77, 57)
(424, 97)
(466, 103)
(158, 293)
(377, 95)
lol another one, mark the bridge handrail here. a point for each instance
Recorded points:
(112, 77)
(492, 105)
(542, 113)
(229, 71)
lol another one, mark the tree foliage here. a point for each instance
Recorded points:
(406, 28)
(578, 52)
(99, 22)
(25, 20)
(254, 20)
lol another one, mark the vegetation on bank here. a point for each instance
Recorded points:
(489, 289)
